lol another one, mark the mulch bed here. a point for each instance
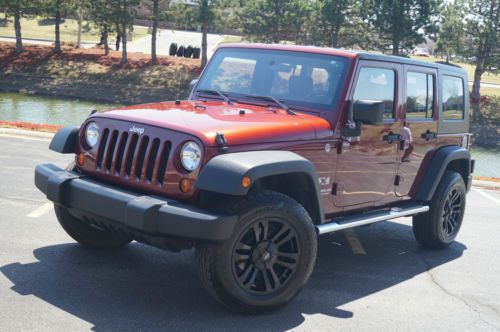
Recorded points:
(30, 126)
(34, 54)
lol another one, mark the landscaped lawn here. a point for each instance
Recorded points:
(40, 28)
(487, 77)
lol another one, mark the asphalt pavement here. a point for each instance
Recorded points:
(371, 279)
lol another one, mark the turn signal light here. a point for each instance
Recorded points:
(245, 182)
(185, 185)
(80, 159)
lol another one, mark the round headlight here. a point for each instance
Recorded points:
(190, 156)
(92, 134)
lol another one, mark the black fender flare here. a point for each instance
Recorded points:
(224, 173)
(437, 165)
(64, 141)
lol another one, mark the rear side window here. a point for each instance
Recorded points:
(453, 98)
(419, 96)
(377, 84)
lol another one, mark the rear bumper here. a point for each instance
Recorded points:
(157, 216)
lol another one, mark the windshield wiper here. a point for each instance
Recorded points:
(276, 101)
(216, 92)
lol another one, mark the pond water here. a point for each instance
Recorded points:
(47, 110)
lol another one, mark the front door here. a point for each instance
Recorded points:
(419, 130)
(368, 164)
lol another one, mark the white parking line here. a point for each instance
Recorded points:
(481, 192)
(38, 212)
(353, 240)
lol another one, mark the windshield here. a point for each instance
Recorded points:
(300, 80)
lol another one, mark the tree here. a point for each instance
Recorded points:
(333, 14)
(275, 20)
(342, 24)
(154, 31)
(18, 9)
(401, 24)
(114, 15)
(57, 8)
(482, 47)
(451, 33)
(121, 13)
(205, 16)
(99, 14)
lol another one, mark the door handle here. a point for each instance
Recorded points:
(391, 137)
(428, 135)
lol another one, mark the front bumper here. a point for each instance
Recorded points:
(156, 216)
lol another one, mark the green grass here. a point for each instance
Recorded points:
(231, 40)
(487, 77)
(31, 28)
(487, 91)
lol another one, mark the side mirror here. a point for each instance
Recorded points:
(193, 83)
(369, 112)
(352, 132)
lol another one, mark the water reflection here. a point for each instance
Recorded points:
(46, 110)
(487, 161)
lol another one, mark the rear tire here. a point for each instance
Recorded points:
(439, 227)
(88, 235)
(267, 261)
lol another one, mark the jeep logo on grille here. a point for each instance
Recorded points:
(138, 130)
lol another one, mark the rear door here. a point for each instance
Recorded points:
(419, 127)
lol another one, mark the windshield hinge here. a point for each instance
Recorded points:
(221, 142)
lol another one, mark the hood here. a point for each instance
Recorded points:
(240, 123)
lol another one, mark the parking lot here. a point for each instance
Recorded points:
(374, 278)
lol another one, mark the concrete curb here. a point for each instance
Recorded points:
(25, 133)
(486, 184)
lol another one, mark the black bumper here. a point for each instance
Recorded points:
(151, 215)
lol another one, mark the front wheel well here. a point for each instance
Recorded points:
(461, 166)
(298, 186)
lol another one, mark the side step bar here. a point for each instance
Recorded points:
(370, 218)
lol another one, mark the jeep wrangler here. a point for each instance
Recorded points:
(275, 146)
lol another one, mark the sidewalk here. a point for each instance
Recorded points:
(34, 41)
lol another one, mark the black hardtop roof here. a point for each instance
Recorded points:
(407, 61)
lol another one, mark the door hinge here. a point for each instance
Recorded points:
(397, 180)
(334, 189)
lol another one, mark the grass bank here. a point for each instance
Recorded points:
(89, 75)
(43, 28)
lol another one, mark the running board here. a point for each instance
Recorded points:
(370, 218)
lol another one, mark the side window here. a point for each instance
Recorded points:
(377, 84)
(419, 96)
(453, 98)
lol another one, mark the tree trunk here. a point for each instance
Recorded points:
(395, 44)
(478, 72)
(124, 34)
(154, 59)
(124, 45)
(17, 27)
(79, 33)
(57, 48)
(336, 35)
(204, 55)
(106, 45)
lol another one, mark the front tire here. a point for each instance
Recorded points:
(87, 235)
(267, 261)
(439, 227)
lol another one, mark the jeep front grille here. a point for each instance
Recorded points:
(134, 157)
